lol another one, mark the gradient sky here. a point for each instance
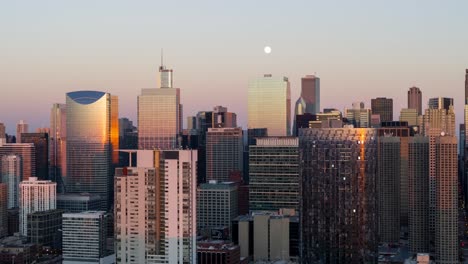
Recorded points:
(359, 49)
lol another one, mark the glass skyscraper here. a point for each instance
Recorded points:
(90, 143)
(309, 101)
(269, 105)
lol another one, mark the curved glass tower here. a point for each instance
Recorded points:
(89, 143)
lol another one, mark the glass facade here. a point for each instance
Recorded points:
(339, 199)
(41, 144)
(58, 145)
(269, 105)
(224, 150)
(89, 143)
(158, 118)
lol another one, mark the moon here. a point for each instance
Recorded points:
(267, 49)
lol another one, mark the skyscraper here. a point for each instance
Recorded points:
(418, 179)
(90, 143)
(36, 196)
(58, 145)
(159, 114)
(21, 127)
(224, 150)
(2, 132)
(415, 99)
(11, 176)
(269, 105)
(384, 107)
(410, 116)
(338, 195)
(440, 103)
(388, 186)
(223, 118)
(274, 174)
(309, 101)
(446, 238)
(41, 144)
(3, 210)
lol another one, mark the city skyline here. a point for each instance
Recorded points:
(121, 53)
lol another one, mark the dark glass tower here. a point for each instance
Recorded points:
(384, 107)
(41, 143)
(339, 199)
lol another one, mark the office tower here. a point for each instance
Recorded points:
(217, 206)
(224, 150)
(21, 127)
(3, 210)
(13, 221)
(78, 202)
(388, 187)
(2, 132)
(128, 139)
(28, 158)
(375, 121)
(384, 107)
(41, 144)
(136, 214)
(44, 228)
(338, 195)
(309, 101)
(446, 238)
(410, 116)
(191, 122)
(440, 103)
(58, 145)
(90, 143)
(84, 237)
(401, 130)
(358, 115)
(223, 118)
(415, 99)
(219, 252)
(36, 196)
(303, 121)
(159, 114)
(418, 187)
(267, 236)
(269, 105)
(274, 174)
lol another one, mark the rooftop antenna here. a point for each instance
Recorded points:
(162, 60)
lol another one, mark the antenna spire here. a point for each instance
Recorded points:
(162, 59)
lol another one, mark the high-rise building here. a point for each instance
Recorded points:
(415, 99)
(3, 210)
(224, 150)
(36, 196)
(2, 132)
(128, 139)
(41, 144)
(159, 114)
(388, 186)
(157, 203)
(274, 174)
(58, 145)
(464, 153)
(401, 130)
(44, 228)
(78, 202)
(219, 252)
(309, 101)
(418, 187)
(358, 115)
(440, 103)
(446, 235)
(21, 127)
(84, 238)
(11, 176)
(217, 205)
(223, 118)
(269, 105)
(384, 107)
(339, 195)
(410, 116)
(90, 143)
(27, 153)
(191, 122)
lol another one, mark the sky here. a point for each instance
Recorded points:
(359, 49)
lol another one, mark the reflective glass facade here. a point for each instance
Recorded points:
(158, 118)
(339, 199)
(269, 105)
(58, 145)
(89, 148)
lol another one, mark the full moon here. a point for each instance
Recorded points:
(267, 50)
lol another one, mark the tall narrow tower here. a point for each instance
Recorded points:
(415, 99)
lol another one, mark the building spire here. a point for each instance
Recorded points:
(161, 67)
